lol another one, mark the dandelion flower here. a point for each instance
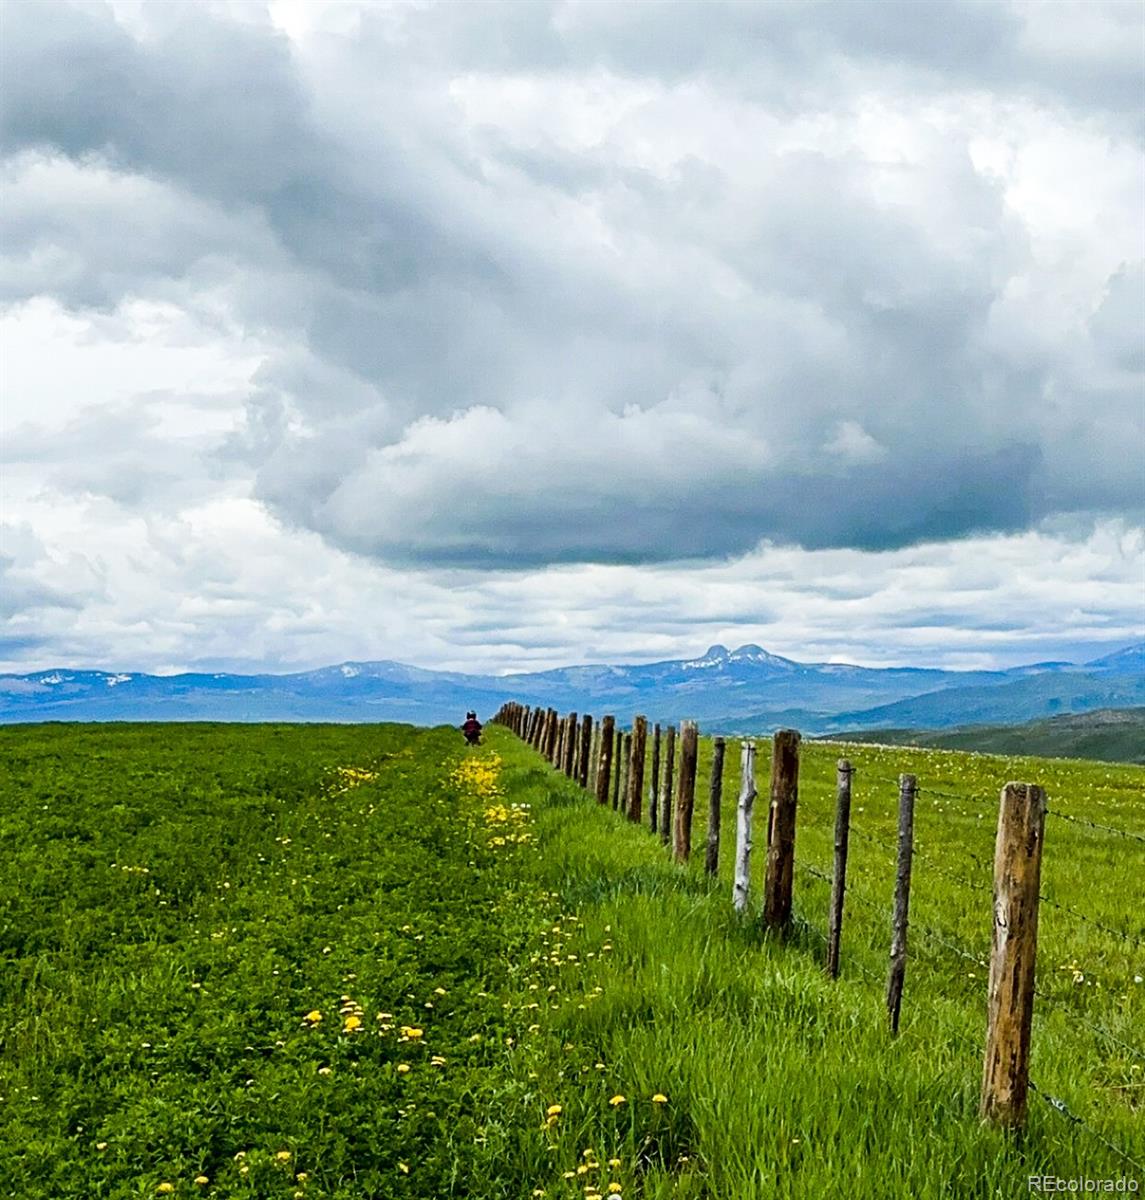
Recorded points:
(404, 1168)
(283, 1156)
(313, 1016)
(403, 1068)
(617, 1101)
(659, 1098)
(352, 1023)
(165, 1188)
(614, 1187)
(614, 1163)
(202, 1180)
(554, 1110)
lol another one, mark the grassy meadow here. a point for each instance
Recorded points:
(364, 962)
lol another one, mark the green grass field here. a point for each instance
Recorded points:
(363, 962)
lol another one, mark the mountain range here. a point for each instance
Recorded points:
(743, 691)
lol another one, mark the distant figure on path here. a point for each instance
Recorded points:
(472, 729)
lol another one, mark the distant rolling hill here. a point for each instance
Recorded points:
(1109, 735)
(746, 690)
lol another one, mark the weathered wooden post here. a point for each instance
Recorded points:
(686, 789)
(604, 765)
(843, 773)
(594, 759)
(625, 769)
(666, 786)
(574, 766)
(712, 860)
(1010, 999)
(907, 787)
(585, 751)
(781, 845)
(654, 790)
(570, 744)
(558, 743)
(636, 768)
(744, 808)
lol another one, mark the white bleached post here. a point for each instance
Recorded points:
(744, 809)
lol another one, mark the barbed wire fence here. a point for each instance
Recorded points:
(1011, 958)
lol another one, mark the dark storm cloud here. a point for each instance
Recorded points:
(494, 350)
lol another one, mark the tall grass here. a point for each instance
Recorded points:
(784, 1084)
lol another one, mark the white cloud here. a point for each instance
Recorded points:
(545, 301)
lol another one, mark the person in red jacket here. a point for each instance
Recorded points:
(472, 729)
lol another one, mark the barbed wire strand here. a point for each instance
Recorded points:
(1121, 933)
(1125, 833)
(965, 797)
(977, 959)
(916, 852)
(1061, 1006)
(1061, 1107)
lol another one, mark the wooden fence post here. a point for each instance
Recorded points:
(570, 744)
(712, 860)
(907, 784)
(618, 771)
(553, 730)
(1010, 999)
(594, 758)
(636, 768)
(574, 766)
(744, 808)
(666, 786)
(604, 765)
(781, 844)
(654, 790)
(843, 772)
(585, 751)
(686, 790)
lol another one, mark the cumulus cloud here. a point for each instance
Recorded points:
(497, 287)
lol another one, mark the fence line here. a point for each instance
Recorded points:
(600, 758)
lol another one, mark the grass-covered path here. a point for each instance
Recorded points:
(358, 962)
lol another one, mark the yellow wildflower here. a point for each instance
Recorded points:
(659, 1098)
(313, 1016)
(352, 1023)
(554, 1110)
(165, 1188)
(202, 1180)
(403, 1068)
(616, 1101)
(283, 1156)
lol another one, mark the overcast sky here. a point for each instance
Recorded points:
(499, 335)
